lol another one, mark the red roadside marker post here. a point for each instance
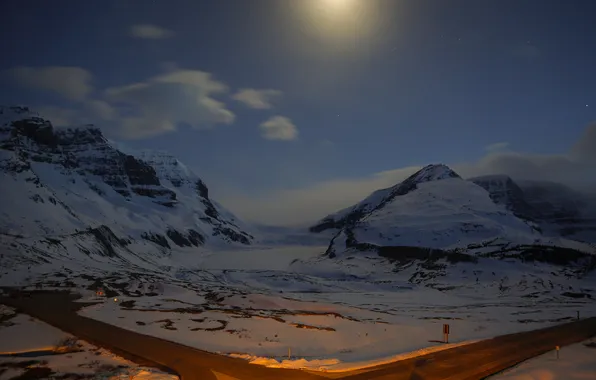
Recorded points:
(446, 333)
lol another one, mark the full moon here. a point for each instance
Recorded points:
(338, 4)
(344, 24)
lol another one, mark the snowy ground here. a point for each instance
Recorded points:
(40, 351)
(322, 321)
(320, 335)
(575, 362)
(265, 304)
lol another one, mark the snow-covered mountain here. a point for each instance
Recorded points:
(73, 184)
(72, 199)
(438, 229)
(380, 198)
(436, 209)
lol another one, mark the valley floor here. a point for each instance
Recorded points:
(278, 331)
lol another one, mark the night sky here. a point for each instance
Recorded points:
(291, 109)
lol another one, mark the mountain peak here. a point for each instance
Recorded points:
(380, 198)
(21, 121)
(9, 112)
(433, 172)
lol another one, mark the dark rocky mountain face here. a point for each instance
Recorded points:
(504, 191)
(555, 208)
(562, 209)
(86, 152)
(173, 172)
(554, 202)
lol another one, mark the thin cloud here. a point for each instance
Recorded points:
(279, 128)
(100, 109)
(72, 83)
(257, 99)
(133, 111)
(500, 146)
(163, 102)
(148, 31)
(89, 112)
(585, 148)
(61, 116)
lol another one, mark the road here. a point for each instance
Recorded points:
(478, 360)
(469, 362)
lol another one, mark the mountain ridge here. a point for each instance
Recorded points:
(379, 198)
(69, 180)
(532, 201)
(79, 195)
(442, 212)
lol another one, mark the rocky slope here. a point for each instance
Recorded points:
(555, 208)
(562, 210)
(504, 191)
(64, 184)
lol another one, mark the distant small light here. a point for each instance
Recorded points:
(115, 299)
